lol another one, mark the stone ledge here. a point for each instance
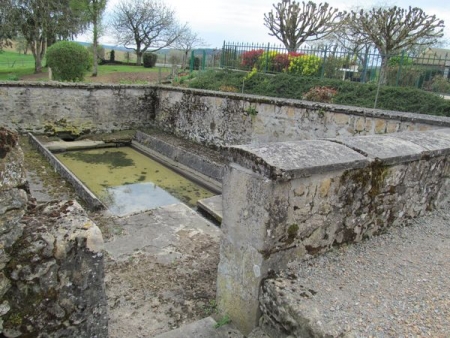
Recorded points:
(387, 149)
(289, 160)
(437, 141)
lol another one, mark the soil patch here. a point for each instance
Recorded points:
(117, 78)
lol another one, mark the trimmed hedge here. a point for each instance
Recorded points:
(404, 99)
(149, 60)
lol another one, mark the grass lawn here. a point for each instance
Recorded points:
(109, 69)
(15, 66)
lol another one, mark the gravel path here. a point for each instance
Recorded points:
(394, 285)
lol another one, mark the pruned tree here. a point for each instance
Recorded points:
(186, 42)
(394, 29)
(144, 25)
(42, 22)
(293, 23)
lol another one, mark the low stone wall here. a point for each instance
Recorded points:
(221, 119)
(284, 201)
(200, 163)
(30, 107)
(211, 118)
(51, 264)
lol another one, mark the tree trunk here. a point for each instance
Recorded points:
(36, 48)
(383, 69)
(185, 58)
(139, 58)
(95, 44)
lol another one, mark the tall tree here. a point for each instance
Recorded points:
(92, 11)
(186, 42)
(293, 23)
(6, 32)
(394, 29)
(42, 22)
(141, 25)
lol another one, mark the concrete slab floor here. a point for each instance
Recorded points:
(161, 271)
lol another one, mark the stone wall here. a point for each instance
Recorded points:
(220, 119)
(206, 117)
(51, 263)
(30, 107)
(284, 201)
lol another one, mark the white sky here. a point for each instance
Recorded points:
(242, 20)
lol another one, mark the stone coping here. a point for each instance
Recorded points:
(288, 160)
(333, 108)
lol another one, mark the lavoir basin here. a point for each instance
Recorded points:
(127, 181)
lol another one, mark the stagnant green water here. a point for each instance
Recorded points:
(128, 181)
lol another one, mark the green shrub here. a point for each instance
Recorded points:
(398, 60)
(438, 84)
(305, 65)
(149, 60)
(112, 56)
(265, 61)
(68, 60)
(348, 93)
(196, 63)
(13, 77)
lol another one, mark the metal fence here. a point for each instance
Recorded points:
(428, 70)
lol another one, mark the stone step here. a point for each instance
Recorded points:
(204, 328)
(212, 206)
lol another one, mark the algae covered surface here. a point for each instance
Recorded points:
(128, 181)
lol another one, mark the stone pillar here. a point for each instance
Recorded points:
(258, 227)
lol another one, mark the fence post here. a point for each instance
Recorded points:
(191, 62)
(322, 72)
(203, 59)
(222, 55)
(399, 72)
(267, 58)
(366, 60)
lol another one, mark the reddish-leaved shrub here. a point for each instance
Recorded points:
(251, 58)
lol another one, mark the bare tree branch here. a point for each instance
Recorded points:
(293, 23)
(145, 24)
(186, 42)
(394, 29)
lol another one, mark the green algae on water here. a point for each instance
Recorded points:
(131, 179)
(114, 159)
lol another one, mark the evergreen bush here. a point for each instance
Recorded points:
(149, 60)
(68, 60)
